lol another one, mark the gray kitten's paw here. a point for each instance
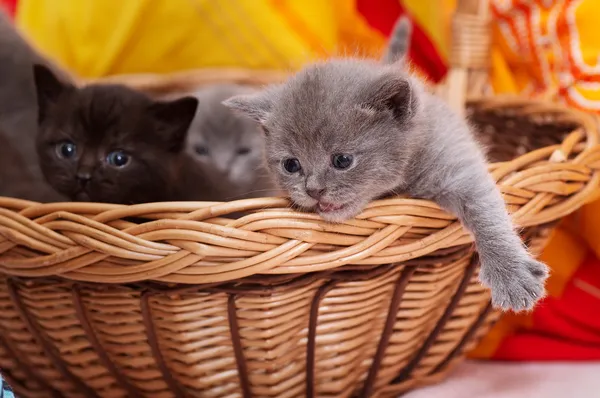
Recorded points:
(518, 287)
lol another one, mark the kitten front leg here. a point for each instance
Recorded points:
(515, 278)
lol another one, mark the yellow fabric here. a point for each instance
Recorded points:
(433, 16)
(162, 36)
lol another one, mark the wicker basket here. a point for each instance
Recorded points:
(96, 303)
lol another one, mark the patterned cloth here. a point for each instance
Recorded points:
(5, 390)
(550, 49)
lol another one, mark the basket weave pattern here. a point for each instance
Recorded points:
(175, 299)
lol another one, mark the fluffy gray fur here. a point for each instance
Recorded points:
(403, 140)
(20, 175)
(399, 42)
(229, 147)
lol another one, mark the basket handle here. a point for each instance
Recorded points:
(469, 53)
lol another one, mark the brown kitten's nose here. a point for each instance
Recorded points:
(315, 193)
(84, 176)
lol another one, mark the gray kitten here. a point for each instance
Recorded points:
(20, 174)
(227, 146)
(342, 133)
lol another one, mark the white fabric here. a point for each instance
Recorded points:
(517, 380)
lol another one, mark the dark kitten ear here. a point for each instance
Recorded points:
(178, 112)
(256, 106)
(396, 94)
(48, 88)
(177, 116)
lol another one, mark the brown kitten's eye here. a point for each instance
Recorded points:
(66, 150)
(201, 150)
(341, 161)
(292, 165)
(243, 151)
(117, 159)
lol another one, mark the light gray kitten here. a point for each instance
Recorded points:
(344, 132)
(229, 147)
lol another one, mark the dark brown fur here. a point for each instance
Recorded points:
(101, 119)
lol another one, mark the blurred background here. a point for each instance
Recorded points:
(541, 49)
(161, 36)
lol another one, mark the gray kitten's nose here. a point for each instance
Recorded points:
(315, 193)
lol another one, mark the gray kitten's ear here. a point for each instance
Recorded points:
(397, 94)
(399, 42)
(256, 106)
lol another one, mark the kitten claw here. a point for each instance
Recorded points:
(518, 287)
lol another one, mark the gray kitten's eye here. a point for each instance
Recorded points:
(117, 159)
(201, 150)
(66, 150)
(292, 165)
(243, 151)
(341, 161)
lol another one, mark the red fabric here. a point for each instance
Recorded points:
(10, 6)
(565, 328)
(382, 15)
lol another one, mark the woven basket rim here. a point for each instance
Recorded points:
(187, 80)
(62, 240)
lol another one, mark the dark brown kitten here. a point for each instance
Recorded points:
(109, 143)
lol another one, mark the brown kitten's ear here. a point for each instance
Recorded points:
(48, 88)
(177, 116)
(396, 94)
(256, 106)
